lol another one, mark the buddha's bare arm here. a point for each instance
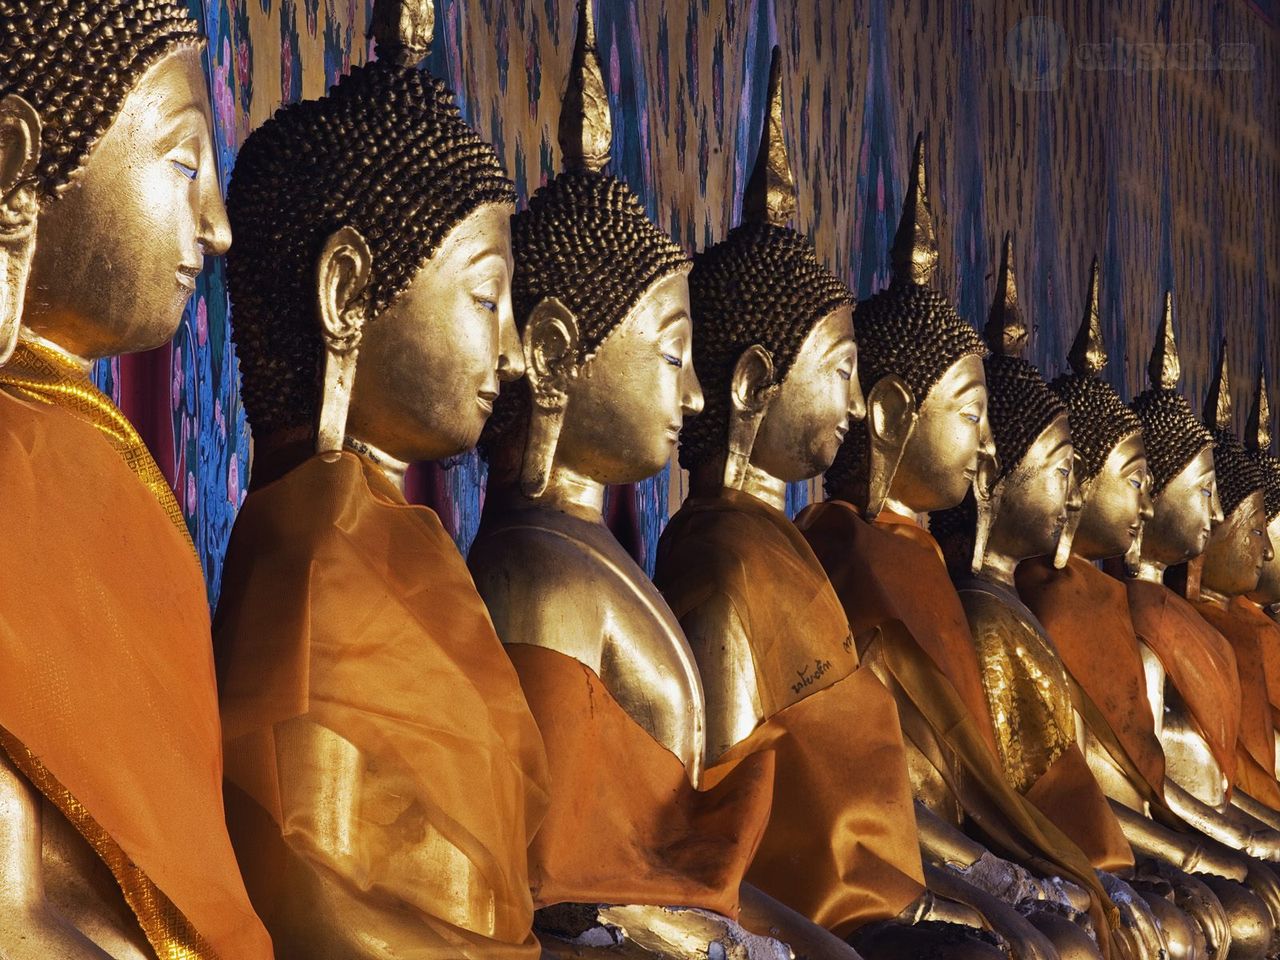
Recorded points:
(30, 929)
(767, 917)
(1256, 809)
(721, 646)
(1226, 826)
(1181, 850)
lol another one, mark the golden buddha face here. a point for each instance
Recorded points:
(1238, 548)
(1116, 502)
(118, 252)
(1267, 591)
(806, 421)
(625, 404)
(950, 439)
(1184, 513)
(1036, 496)
(429, 365)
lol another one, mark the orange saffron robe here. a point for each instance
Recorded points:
(1269, 633)
(1250, 632)
(107, 695)
(344, 605)
(625, 825)
(1198, 661)
(892, 569)
(841, 845)
(890, 576)
(1086, 612)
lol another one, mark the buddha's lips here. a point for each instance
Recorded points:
(187, 275)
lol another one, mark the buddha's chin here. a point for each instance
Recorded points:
(150, 334)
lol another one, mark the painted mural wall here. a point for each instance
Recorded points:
(1145, 133)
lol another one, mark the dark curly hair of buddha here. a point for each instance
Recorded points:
(1099, 419)
(1173, 435)
(761, 284)
(75, 62)
(385, 152)
(1020, 407)
(1270, 468)
(585, 240)
(910, 330)
(1237, 472)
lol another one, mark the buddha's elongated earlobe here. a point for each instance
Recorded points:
(751, 391)
(988, 492)
(342, 304)
(19, 211)
(551, 364)
(1076, 497)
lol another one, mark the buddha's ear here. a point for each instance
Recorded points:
(343, 270)
(19, 157)
(550, 341)
(19, 211)
(1077, 497)
(751, 391)
(891, 419)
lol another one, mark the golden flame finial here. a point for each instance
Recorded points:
(1258, 430)
(402, 29)
(586, 130)
(915, 246)
(770, 196)
(1217, 402)
(1165, 369)
(1006, 331)
(1088, 355)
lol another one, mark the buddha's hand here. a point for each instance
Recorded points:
(1196, 900)
(1012, 883)
(1138, 933)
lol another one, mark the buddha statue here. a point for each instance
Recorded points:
(773, 344)
(1086, 614)
(1029, 693)
(644, 846)
(1192, 682)
(1260, 603)
(366, 700)
(925, 438)
(1237, 552)
(111, 812)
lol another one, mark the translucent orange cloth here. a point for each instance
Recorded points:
(1197, 660)
(841, 846)
(107, 691)
(1269, 636)
(342, 604)
(880, 571)
(624, 824)
(1249, 636)
(1069, 795)
(892, 569)
(1086, 613)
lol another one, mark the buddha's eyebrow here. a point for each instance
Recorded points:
(674, 317)
(841, 345)
(484, 252)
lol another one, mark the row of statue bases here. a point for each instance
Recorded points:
(920, 721)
